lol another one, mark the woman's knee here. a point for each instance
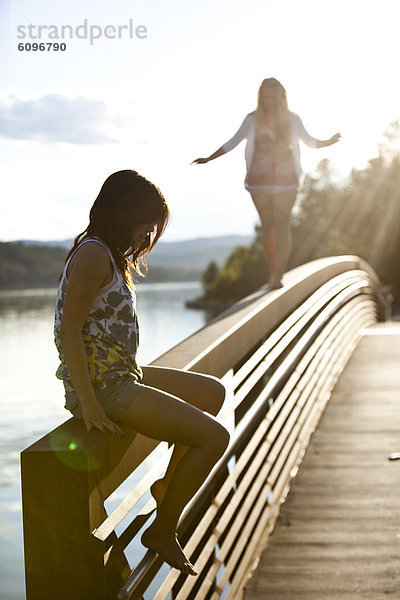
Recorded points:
(264, 205)
(207, 393)
(216, 393)
(267, 222)
(224, 438)
(282, 223)
(283, 211)
(218, 438)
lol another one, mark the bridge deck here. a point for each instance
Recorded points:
(338, 534)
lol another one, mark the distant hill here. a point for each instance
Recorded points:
(31, 263)
(192, 254)
(49, 243)
(25, 266)
(196, 253)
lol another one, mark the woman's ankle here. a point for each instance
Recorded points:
(158, 490)
(275, 282)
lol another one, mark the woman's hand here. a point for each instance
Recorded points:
(334, 139)
(200, 161)
(96, 418)
(203, 161)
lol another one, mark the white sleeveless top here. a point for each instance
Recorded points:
(247, 131)
(110, 332)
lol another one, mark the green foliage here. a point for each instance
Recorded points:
(26, 265)
(361, 217)
(244, 271)
(209, 274)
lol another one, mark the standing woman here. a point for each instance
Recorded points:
(273, 168)
(96, 334)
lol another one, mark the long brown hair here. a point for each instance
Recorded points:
(125, 199)
(283, 125)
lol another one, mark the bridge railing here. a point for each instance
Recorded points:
(280, 355)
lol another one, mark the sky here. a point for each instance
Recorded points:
(167, 81)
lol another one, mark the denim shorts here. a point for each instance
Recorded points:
(114, 396)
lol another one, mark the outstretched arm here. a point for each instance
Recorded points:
(312, 141)
(332, 140)
(202, 161)
(240, 135)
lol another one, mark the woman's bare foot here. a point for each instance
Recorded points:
(274, 283)
(167, 546)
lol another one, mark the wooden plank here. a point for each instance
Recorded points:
(226, 488)
(60, 495)
(122, 510)
(247, 559)
(303, 343)
(227, 516)
(282, 485)
(337, 536)
(258, 514)
(218, 561)
(284, 477)
(291, 325)
(249, 319)
(244, 516)
(286, 333)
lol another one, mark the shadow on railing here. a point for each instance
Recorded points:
(280, 354)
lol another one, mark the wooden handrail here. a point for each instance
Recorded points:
(282, 352)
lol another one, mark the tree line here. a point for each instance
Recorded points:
(24, 265)
(29, 265)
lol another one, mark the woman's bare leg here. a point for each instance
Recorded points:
(275, 215)
(283, 206)
(269, 248)
(202, 391)
(162, 416)
(264, 204)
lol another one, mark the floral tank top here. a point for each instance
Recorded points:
(110, 333)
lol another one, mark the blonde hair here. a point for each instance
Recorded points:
(283, 124)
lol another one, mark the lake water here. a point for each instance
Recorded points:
(31, 398)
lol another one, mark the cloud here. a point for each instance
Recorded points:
(56, 118)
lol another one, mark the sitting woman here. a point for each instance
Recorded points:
(96, 334)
